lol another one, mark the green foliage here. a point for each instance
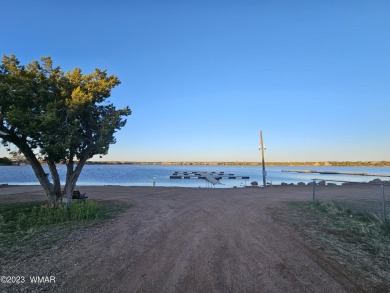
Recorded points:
(20, 222)
(57, 117)
(5, 161)
(64, 114)
(45, 215)
(25, 216)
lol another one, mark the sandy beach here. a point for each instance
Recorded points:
(183, 240)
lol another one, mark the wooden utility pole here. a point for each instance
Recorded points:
(262, 159)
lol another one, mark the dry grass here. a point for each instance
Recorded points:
(359, 243)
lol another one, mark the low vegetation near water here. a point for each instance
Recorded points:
(359, 242)
(38, 225)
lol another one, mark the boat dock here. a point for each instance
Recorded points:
(212, 177)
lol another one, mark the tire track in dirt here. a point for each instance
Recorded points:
(191, 240)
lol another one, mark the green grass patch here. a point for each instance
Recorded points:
(37, 224)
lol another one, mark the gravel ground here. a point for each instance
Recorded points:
(182, 240)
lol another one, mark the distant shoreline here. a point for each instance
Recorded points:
(269, 164)
(293, 164)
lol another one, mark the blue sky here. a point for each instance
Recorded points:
(204, 77)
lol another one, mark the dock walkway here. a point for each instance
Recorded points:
(211, 177)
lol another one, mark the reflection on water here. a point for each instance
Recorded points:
(142, 175)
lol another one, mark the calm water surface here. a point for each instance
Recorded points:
(142, 175)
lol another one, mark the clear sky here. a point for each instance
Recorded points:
(204, 77)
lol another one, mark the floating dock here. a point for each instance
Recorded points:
(212, 177)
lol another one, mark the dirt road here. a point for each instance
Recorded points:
(186, 240)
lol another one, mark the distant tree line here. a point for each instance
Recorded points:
(329, 163)
(5, 161)
(362, 163)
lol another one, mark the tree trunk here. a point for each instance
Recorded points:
(41, 175)
(56, 180)
(71, 179)
(68, 189)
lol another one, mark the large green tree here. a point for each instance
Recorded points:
(57, 117)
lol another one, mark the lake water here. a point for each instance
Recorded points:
(142, 175)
